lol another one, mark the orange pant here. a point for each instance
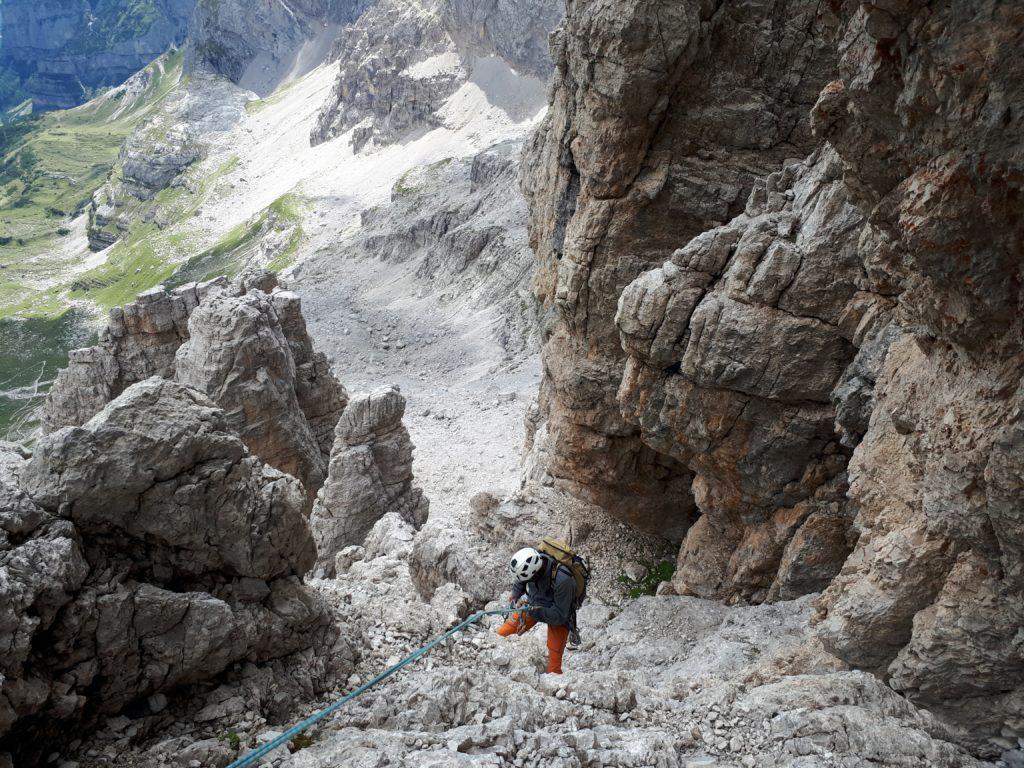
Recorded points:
(558, 636)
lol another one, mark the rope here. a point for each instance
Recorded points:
(295, 730)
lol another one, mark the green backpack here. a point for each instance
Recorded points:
(560, 552)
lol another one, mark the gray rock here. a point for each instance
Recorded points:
(650, 140)
(237, 354)
(118, 555)
(248, 351)
(752, 354)
(258, 47)
(393, 78)
(369, 475)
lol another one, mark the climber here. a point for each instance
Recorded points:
(547, 591)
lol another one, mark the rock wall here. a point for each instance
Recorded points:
(662, 116)
(462, 222)
(145, 550)
(830, 357)
(734, 347)
(926, 115)
(259, 45)
(58, 53)
(245, 348)
(375, 82)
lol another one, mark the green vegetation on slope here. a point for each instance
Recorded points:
(50, 166)
(113, 23)
(235, 250)
(139, 259)
(647, 584)
(31, 351)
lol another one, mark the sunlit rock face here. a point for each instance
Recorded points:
(397, 77)
(243, 344)
(369, 475)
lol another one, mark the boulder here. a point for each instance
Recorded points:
(237, 354)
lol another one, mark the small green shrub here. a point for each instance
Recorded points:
(233, 740)
(648, 583)
(301, 741)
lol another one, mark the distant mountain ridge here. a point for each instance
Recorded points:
(59, 53)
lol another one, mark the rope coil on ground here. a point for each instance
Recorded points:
(298, 728)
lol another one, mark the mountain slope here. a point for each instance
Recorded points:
(57, 54)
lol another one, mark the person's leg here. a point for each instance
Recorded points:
(516, 624)
(557, 638)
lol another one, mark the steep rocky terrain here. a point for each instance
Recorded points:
(775, 250)
(261, 46)
(394, 77)
(659, 140)
(152, 504)
(836, 370)
(57, 54)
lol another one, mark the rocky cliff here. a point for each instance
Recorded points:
(784, 295)
(143, 551)
(400, 62)
(170, 496)
(926, 115)
(59, 53)
(259, 45)
(663, 116)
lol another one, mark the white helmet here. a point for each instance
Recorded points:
(525, 563)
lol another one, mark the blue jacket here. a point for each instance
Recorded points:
(551, 602)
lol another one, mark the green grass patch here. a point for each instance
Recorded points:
(32, 350)
(648, 583)
(132, 266)
(50, 166)
(232, 739)
(237, 248)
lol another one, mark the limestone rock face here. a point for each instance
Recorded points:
(662, 116)
(58, 53)
(835, 367)
(735, 345)
(140, 340)
(369, 475)
(150, 164)
(237, 354)
(244, 344)
(464, 222)
(394, 77)
(374, 77)
(258, 46)
(932, 596)
(145, 550)
(515, 30)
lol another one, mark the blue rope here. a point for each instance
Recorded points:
(295, 730)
